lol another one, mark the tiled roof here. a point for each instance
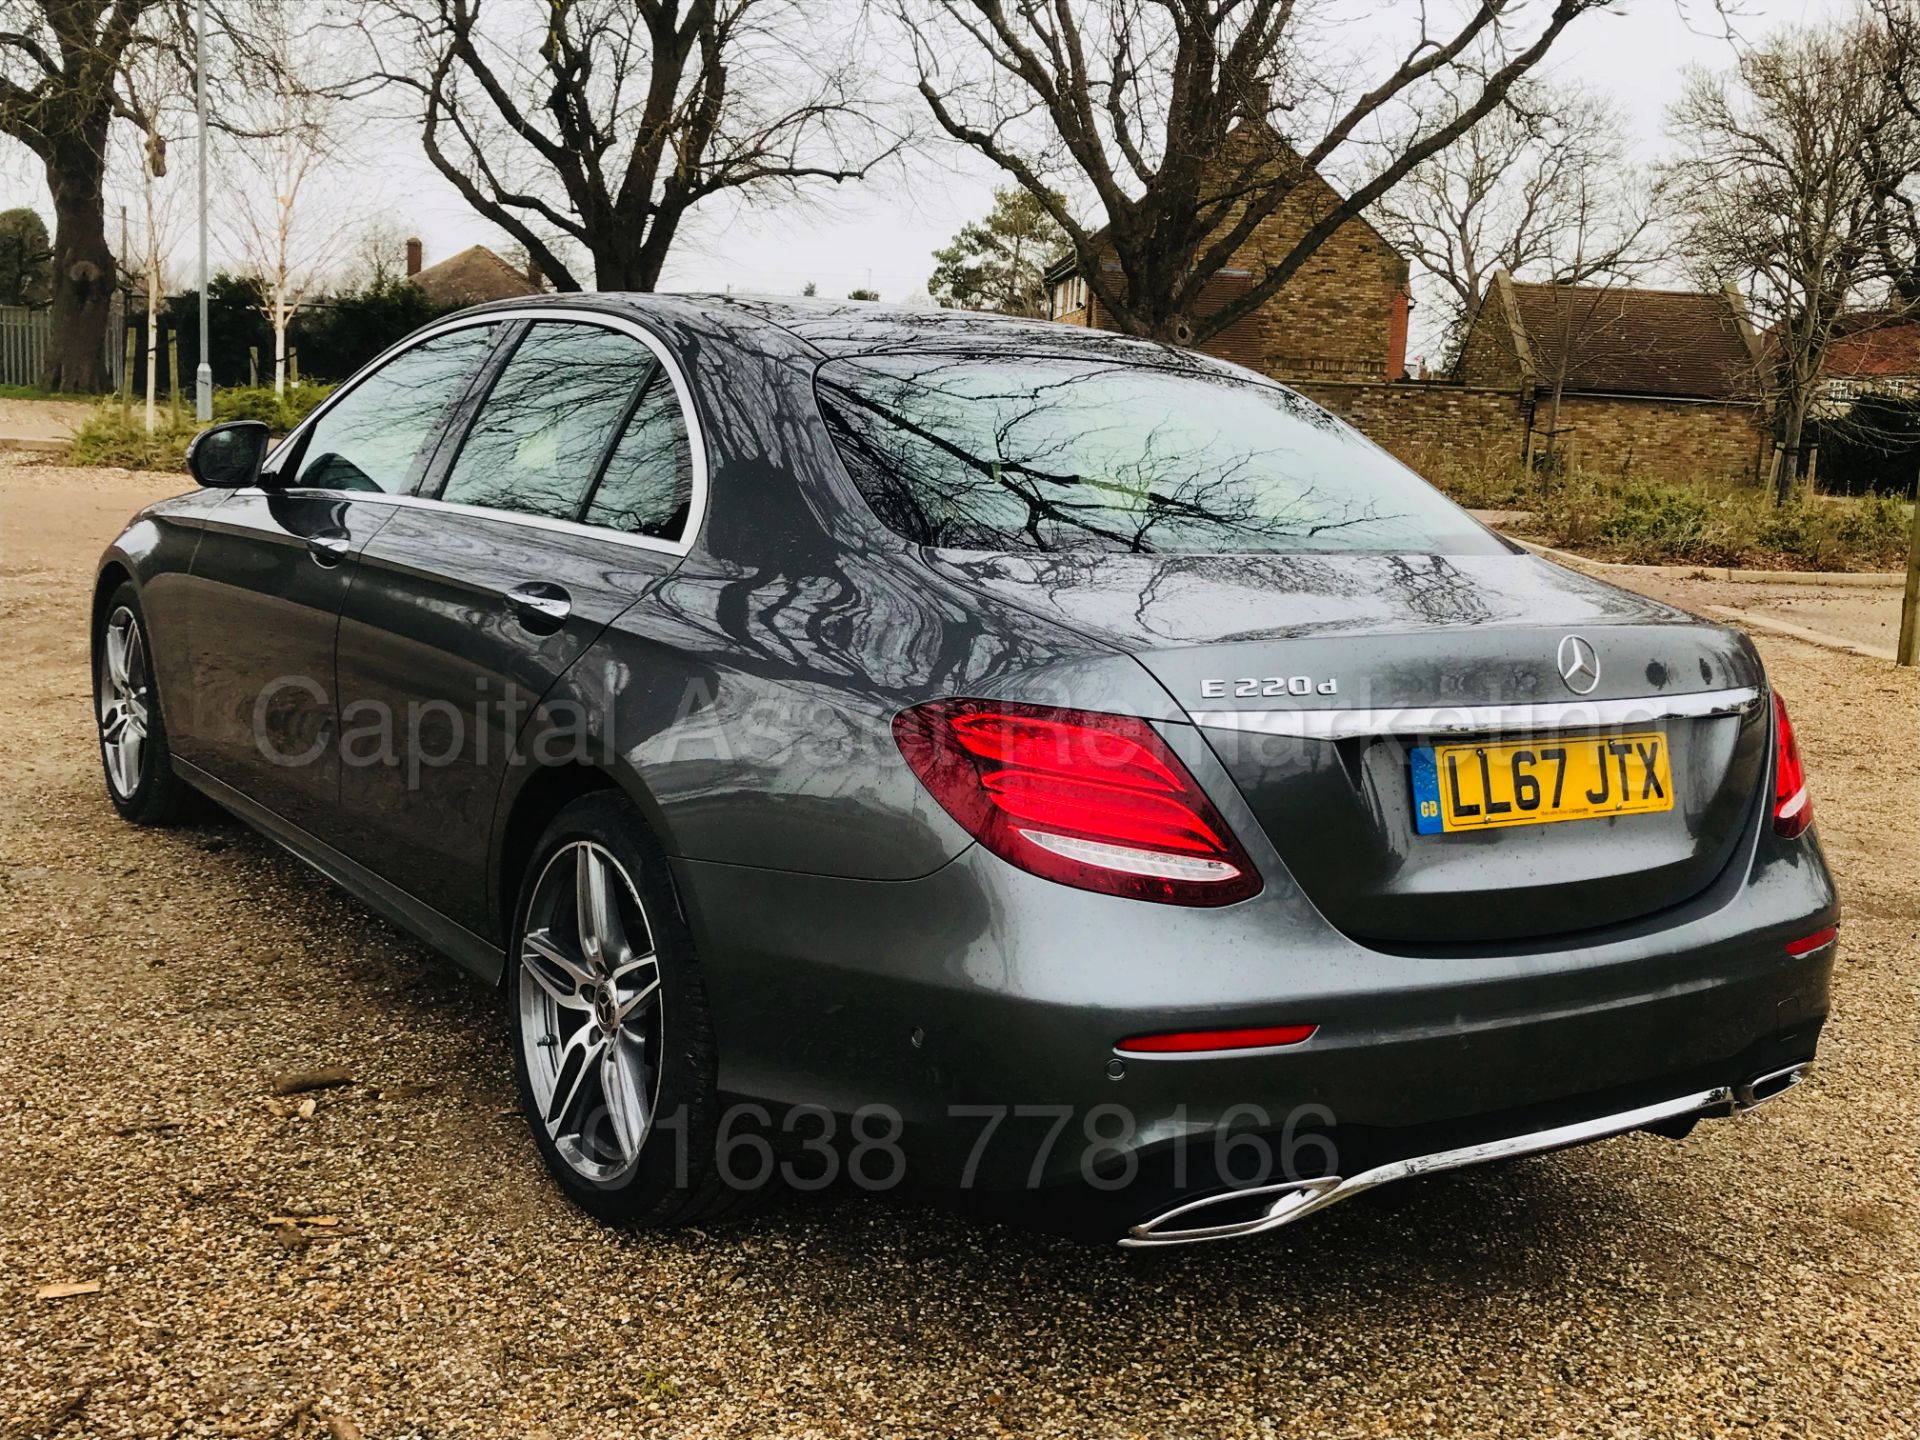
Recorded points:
(1627, 341)
(472, 277)
(1878, 349)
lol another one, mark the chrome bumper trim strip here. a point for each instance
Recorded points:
(1295, 1199)
(1480, 719)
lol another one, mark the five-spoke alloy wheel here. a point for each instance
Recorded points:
(589, 994)
(613, 1045)
(125, 700)
(133, 741)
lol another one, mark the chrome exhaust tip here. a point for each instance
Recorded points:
(1283, 1203)
(1769, 1086)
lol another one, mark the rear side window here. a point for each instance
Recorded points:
(539, 438)
(372, 438)
(1029, 454)
(648, 482)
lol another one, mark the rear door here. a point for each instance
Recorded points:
(564, 502)
(272, 572)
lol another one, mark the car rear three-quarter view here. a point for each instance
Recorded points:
(976, 754)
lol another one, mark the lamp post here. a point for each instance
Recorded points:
(1907, 652)
(203, 373)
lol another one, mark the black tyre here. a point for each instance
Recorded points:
(126, 710)
(613, 1048)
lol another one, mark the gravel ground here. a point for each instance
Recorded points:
(42, 419)
(1761, 1278)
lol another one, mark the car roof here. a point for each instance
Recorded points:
(832, 329)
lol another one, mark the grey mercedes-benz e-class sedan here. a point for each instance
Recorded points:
(973, 753)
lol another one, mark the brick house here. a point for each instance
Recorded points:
(1341, 316)
(1639, 373)
(1874, 354)
(1666, 381)
(472, 277)
(1661, 382)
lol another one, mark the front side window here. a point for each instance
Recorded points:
(373, 438)
(1028, 454)
(648, 483)
(545, 426)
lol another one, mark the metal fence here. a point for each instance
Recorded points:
(23, 343)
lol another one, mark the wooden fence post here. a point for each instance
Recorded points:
(126, 373)
(173, 376)
(1907, 652)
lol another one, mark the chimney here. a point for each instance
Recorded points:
(1256, 99)
(1397, 318)
(413, 255)
(534, 277)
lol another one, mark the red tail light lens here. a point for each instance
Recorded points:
(1190, 1042)
(1792, 801)
(1819, 940)
(1095, 801)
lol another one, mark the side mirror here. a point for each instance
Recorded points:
(227, 457)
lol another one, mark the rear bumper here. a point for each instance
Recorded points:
(1240, 1212)
(981, 1005)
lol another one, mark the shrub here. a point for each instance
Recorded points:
(280, 413)
(1879, 526)
(248, 402)
(111, 436)
(1648, 522)
(1480, 482)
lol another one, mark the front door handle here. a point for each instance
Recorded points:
(541, 606)
(329, 547)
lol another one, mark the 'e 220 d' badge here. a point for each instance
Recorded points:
(1266, 685)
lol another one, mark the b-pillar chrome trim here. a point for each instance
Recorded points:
(1296, 1199)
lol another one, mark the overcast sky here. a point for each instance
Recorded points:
(881, 234)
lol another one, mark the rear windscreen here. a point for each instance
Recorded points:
(1014, 453)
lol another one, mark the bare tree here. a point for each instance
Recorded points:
(1542, 188)
(156, 96)
(292, 225)
(60, 71)
(605, 122)
(1787, 165)
(1898, 43)
(376, 253)
(1135, 102)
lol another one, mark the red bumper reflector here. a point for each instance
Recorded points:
(1819, 940)
(1186, 1042)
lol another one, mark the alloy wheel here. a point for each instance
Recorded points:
(590, 1011)
(125, 701)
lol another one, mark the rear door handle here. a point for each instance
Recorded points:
(329, 547)
(541, 606)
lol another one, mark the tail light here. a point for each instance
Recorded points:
(1792, 801)
(1198, 1042)
(1095, 801)
(1819, 940)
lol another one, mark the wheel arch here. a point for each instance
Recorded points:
(527, 807)
(114, 572)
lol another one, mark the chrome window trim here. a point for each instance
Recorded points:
(689, 415)
(510, 517)
(1480, 719)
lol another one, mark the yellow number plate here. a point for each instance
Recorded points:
(1533, 782)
